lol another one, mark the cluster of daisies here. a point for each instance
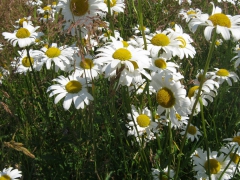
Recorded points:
(142, 65)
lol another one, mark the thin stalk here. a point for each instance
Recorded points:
(110, 17)
(212, 46)
(140, 22)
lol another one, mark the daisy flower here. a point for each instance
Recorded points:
(107, 36)
(158, 175)
(218, 42)
(20, 22)
(192, 132)
(86, 67)
(189, 14)
(235, 140)
(224, 24)
(24, 36)
(10, 173)
(79, 12)
(137, 30)
(170, 95)
(46, 10)
(177, 122)
(22, 64)
(165, 41)
(115, 6)
(116, 56)
(216, 165)
(73, 88)
(34, 2)
(61, 56)
(221, 75)
(140, 124)
(47, 17)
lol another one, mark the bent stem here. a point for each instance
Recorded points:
(196, 101)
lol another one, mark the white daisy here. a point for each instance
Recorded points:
(162, 175)
(46, 10)
(107, 36)
(10, 173)
(47, 17)
(115, 6)
(61, 56)
(86, 67)
(224, 24)
(20, 22)
(137, 30)
(24, 36)
(73, 88)
(189, 14)
(218, 42)
(192, 132)
(235, 140)
(215, 165)
(177, 122)
(140, 124)
(34, 2)
(221, 75)
(170, 95)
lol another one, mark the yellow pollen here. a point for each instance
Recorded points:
(26, 62)
(87, 64)
(143, 120)
(125, 44)
(192, 91)
(22, 33)
(112, 2)
(160, 63)
(165, 98)
(213, 167)
(220, 19)
(235, 158)
(47, 8)
(122, 54)
(53, 52)
(73, 86)
(192, 130)
(222, 72)
(79, 7)
(160, 40)
(135, 65)
(178, 116)
(191, 12)
(21, 21)
(5, 177)
(237, 139)
(182, 40)
(217, 43)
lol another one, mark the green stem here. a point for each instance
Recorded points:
(196, 101)
(110, 17)
(140, 22)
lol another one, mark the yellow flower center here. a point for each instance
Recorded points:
(191, 12)
(222, 72)
(47, 8)
(87, 64)
(192, 91)
(165, 98)
(79, 7)
(178, 116)
(125, 44)
(160, 63)
(23, 33)
(5, 177)
(143, 120)
(122, 54)
(54, 3)
(182, 40)
(192, 130)
(220, 19)
(21, 21)
(135, 65)
(26, 61)
(160, 40)
(237, 139)
(46, 16)
(112, 2)
(213, 166)
(217, 43)
(235, 158)
(73, 86)
(53, 52)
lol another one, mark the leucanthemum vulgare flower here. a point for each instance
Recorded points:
(162, 175)
(46, 10)
(23, 63)
(237, 57)
(137, 30)
(215, 165)
(176, 122)
(79, 12)
(19, 22)
(61, 56)
(73, 88)
(107, 36)
(115, 6)
(189, 14)
(170, 95)
(164, 41)
(34, 2)
(221, 75)
(10, 174)
(192, 132)
(235, 140)
(224, 24)
(218, 42)
(24, 36)
(186, 49)
(141, 124)
(85, 67)
(115, 57)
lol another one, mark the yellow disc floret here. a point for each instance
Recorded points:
(235, 158)
(192, 130)
(79, 7)
(165, 98)
(26, 61)
(220, 19)
(53, 52)
(5, 177)
(183, 42)
(160, 40)
(160, 63)
(122, 54)
(237, 139)
(222, 72)
(212, 166)
(23, 33)
(192, 91)
(143, 120)
(87, 64)
(73, 86)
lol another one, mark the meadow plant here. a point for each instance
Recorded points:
(113, 89)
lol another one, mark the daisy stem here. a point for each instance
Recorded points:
(205, 136)
(170, 145)
(210, 52)
(110, 17)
